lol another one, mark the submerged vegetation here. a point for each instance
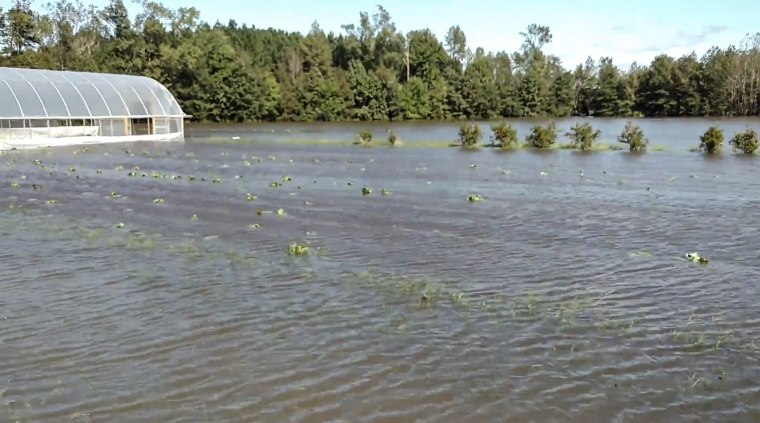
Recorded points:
(583, 136)
(542, 137)
(504, 135)
(470, 135)
(745, 141)
(712, 140)
(634, 137)
(370, 70)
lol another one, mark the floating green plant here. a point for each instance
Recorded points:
(254, 226)
(366, 191)
(474, 197)
(158, 201)
(71, 169)
(216, 180)
(275, 184)
(287, 179)
(350, 183)
(52, 202)
(297, 249)
(280, 213)
(696, 258)
(99, 171)
(14, 185)
(191, 178)
(385, 191)
(133, 173)
(250, 197)
(194, 218)
(120, 225)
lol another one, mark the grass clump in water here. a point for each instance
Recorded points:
(745, 141)
(503, 135)
(474, 198)
(634, 137)
(365, 137)
(583, 136)
(542, 137)
(712, 140)
(297, 249)
(696, 258)
(469, 135)
(366, 191)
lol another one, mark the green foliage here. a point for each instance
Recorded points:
(470, 135)
(745, 141)
(712, 140)
(371, 71)
(634, 137)
(504, 135)
(392, 138)
(583, 136)
(542, 136)
(365, 137)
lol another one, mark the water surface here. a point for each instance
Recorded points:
(562, 296)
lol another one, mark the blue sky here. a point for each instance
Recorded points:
(627, 31)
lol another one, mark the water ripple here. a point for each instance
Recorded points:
(556, 298)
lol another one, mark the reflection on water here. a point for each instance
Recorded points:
(562, 296)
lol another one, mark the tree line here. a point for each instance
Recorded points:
(370, 70)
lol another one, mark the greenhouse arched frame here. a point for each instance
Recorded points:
(46, 108)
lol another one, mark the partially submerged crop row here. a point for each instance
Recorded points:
(581, 136)
(582, 310)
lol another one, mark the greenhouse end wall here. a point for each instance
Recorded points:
(48, 108)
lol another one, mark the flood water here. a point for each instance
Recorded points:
(563, 295)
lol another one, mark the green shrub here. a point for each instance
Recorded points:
(712, 140)
(542, 136)
(745, 141)
(392, 138)
(365, 137)
(470, 135)
(583, 136)
(504, 135)
(634, 137)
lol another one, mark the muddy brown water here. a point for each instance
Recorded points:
(562, 296)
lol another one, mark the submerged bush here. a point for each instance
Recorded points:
(745, 141)
(542, 136)
(634, 137)
(470, 135)
(365, 137)
(583, 136)
(712, 140)
(504, 135)
(392, 138)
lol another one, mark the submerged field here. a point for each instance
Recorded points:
(259, 281)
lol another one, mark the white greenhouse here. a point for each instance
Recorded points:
(40, 108)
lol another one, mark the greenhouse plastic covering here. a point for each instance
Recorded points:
(45, 94)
